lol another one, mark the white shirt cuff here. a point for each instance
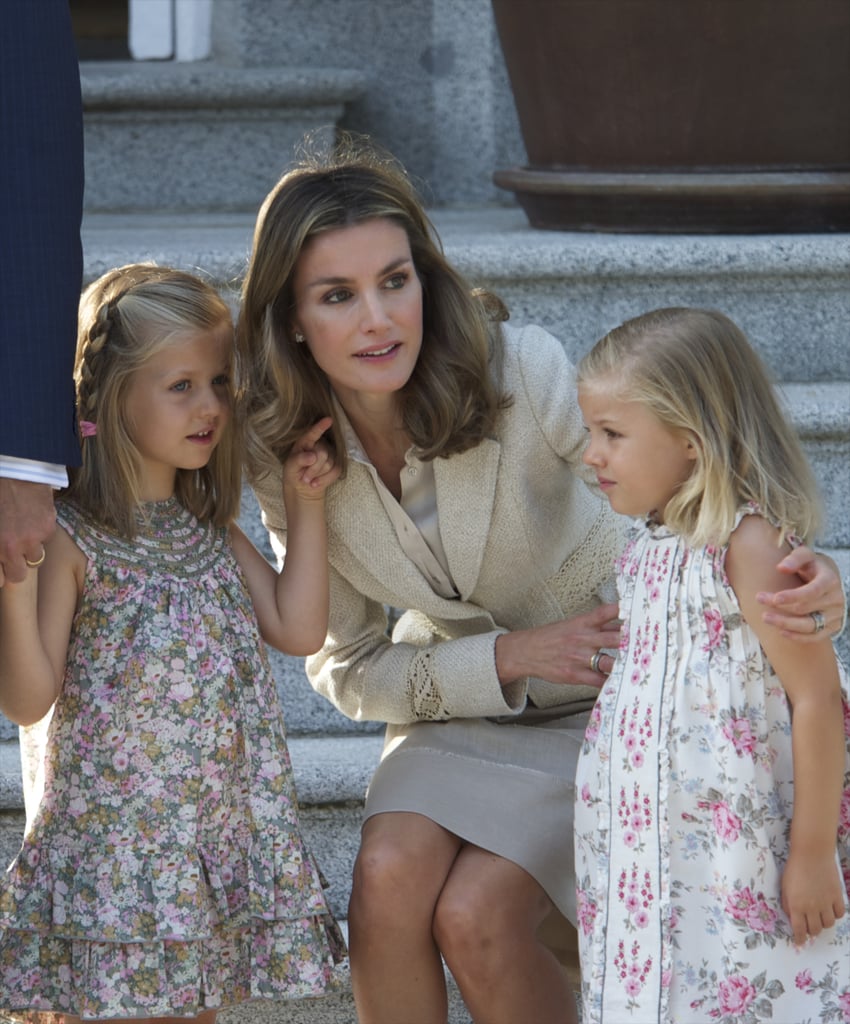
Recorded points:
(34, 472)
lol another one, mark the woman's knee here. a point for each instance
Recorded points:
(400, 867)
(381, 870)
(462, 920)
(487, 904)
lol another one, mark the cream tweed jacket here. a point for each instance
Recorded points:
(527, 542)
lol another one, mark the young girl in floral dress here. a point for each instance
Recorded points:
(713, 789)
(163, 873)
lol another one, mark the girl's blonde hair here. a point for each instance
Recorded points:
(696, 371)
(127, 316)
(453, 398)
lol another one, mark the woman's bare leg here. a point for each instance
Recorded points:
(396, 971)
(486, 925)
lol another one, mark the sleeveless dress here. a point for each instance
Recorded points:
(684, 798)
(163, 869)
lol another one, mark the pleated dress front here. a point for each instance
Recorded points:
(684, 800)
(163, 870)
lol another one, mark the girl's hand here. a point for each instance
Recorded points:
(812, 894)
(311, 467)
(790, 611)
(561, 652)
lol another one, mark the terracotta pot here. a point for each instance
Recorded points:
(681, 115)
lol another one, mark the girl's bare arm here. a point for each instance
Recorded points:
(35, 626)
(812, 894)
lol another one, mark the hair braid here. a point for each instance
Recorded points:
(91, 362)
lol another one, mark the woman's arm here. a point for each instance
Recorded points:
(812, 894)
(35, 628)
(423, 674)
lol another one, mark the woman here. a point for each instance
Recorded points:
(462, 504)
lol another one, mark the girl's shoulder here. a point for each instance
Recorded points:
(79, 525)
(753, 552)
(752, 525)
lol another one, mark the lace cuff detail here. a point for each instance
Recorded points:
(423, 692)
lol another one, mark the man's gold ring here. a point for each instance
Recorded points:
(38, 561)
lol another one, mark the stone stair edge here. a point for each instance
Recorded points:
(492, 242)
(127, 86)
(818, 409)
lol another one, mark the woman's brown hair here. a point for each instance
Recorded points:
(454, 395)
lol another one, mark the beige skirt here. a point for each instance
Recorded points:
(506, 786)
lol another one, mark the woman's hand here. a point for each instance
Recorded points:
(790, 611)
(561, 652)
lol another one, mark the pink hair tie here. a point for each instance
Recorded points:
(87, 429)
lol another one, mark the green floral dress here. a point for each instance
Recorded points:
(163, 869)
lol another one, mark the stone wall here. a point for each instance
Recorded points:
(437, 95)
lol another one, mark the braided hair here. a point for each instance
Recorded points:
(126, 317)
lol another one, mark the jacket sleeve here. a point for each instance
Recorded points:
(419, 674)
(41, 195)
(548, 380)
(428, 670)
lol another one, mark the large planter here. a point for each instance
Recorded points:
(681, 115)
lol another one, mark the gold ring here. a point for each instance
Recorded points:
(819, 620)
(594, 663)
(36, 564)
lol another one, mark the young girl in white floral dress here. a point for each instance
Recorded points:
(713, 790)
(163, 873)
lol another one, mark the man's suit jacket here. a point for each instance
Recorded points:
(527, 543)
(41, 197)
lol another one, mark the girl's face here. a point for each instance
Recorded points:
(178, 405)
(639, 462)
(358, 302)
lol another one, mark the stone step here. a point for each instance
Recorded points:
(200, 136)
(790, 293)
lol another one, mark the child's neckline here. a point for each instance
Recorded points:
(151, 512)
(159, 502)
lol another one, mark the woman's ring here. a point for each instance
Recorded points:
(37, 563)
(819, 620)
(594, 662)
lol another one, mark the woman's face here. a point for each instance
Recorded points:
(358, 302)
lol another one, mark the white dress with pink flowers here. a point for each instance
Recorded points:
(684, 798)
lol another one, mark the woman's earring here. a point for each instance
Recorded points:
(299, 338)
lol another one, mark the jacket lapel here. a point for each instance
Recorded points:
(356, 516)
(466, 489)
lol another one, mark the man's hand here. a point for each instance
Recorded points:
(27, 519)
